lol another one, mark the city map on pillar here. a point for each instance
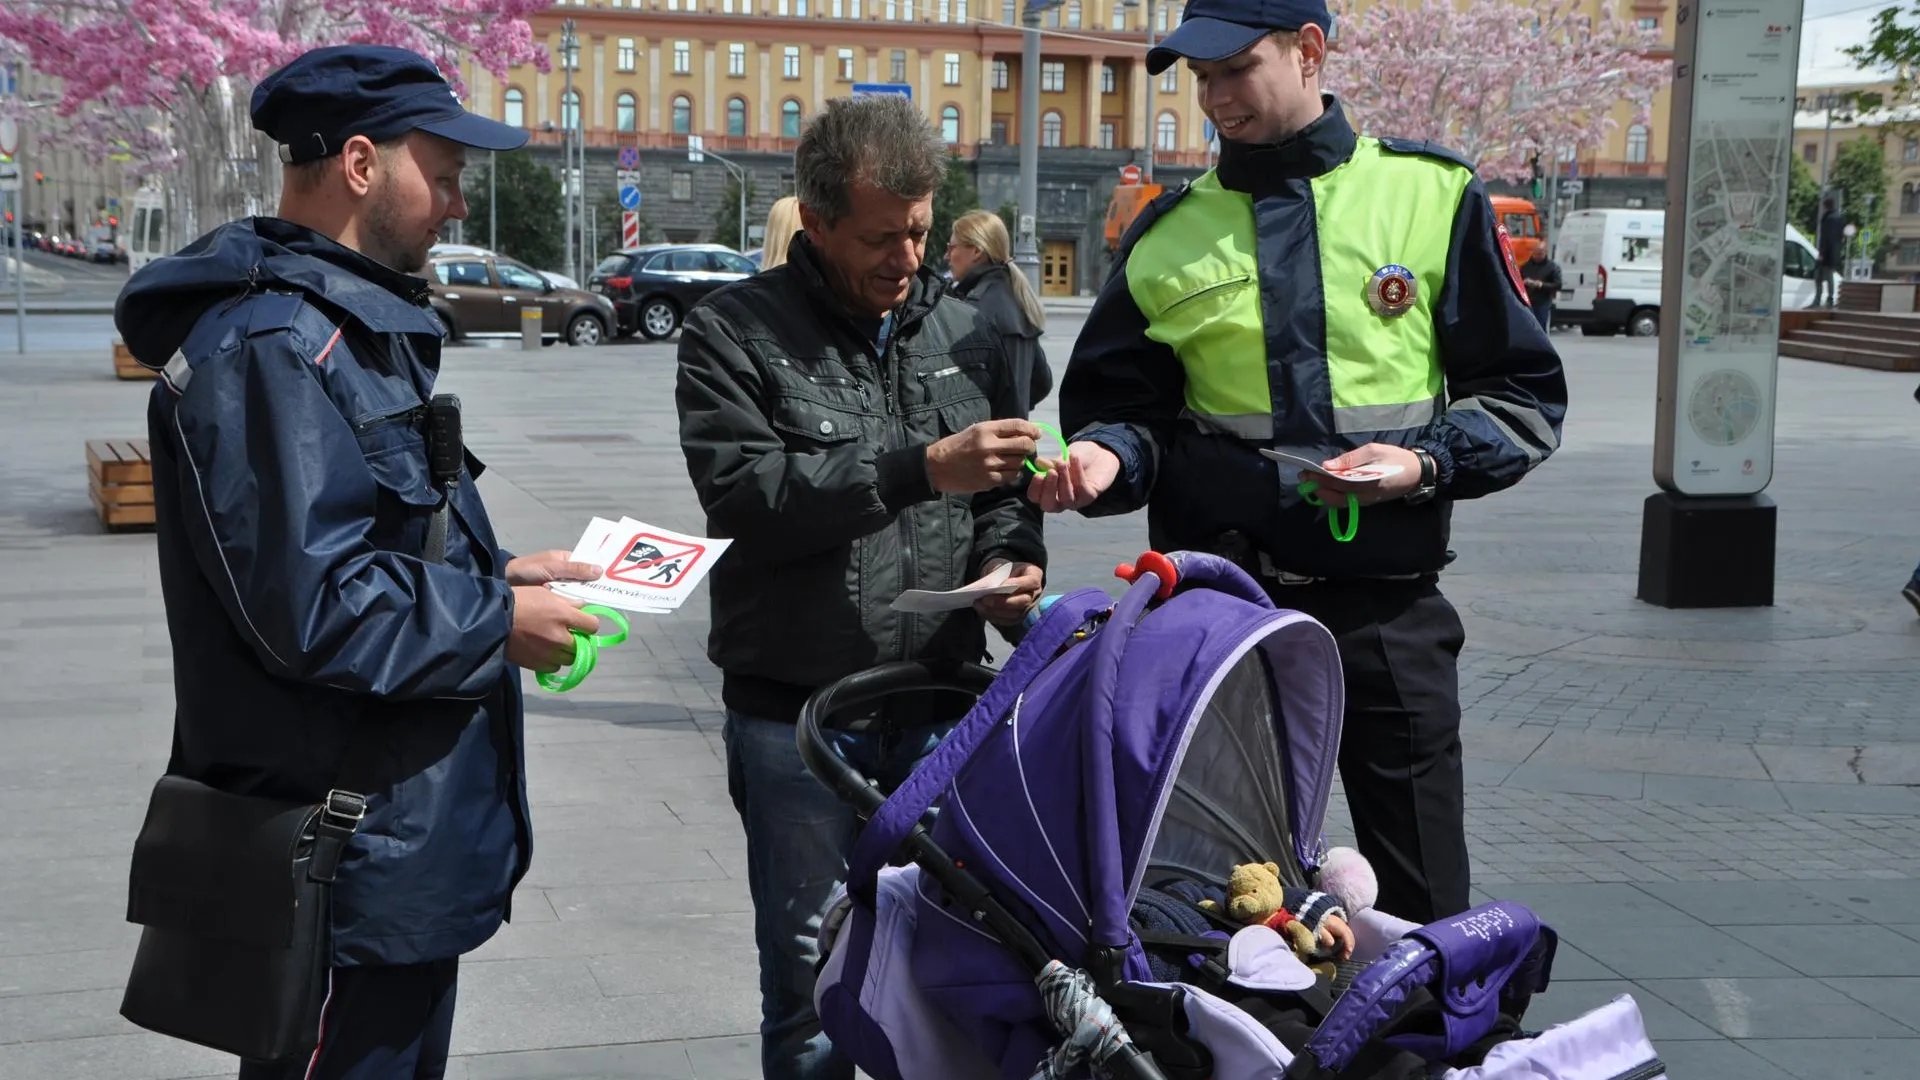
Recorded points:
(647, 569)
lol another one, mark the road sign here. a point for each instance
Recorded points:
(629, 157)
(1849, 231)
(1130, 174)
(9, 134)
(869, 89)
(630, 197)
(1572, 187)
(630, 229)
(696, 148)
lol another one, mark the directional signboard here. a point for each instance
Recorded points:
(629, 197)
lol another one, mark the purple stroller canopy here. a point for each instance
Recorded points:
(1192, 734)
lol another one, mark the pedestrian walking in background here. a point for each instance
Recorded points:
(981, 256)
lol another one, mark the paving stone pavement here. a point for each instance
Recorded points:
(1717, 809)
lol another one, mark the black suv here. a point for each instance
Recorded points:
(653, 286)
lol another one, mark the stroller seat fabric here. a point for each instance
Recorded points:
(1127, 756)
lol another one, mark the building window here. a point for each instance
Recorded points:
(790, 119)
(736, 116)
(1909, 199)
(839, 9)
(944, 12)
(736, 60)
(1170, 81)
(625, 55)
(1167, 135)
(959, 11)
(1109, 82)
(998, 131)
(846, 65)
(626, 113)
(1637, 144)
(800, 8)
(682, 189)
(1909, 253)
(514, 112)
(682, 115)
(951, 68)
(1648, 22)
(1073, 13)
(1009, 12)
(855, 9)
(893, 7)
(999, 74)
(570, 110)
(898, 65)
(1053, 77)
(1810, 153)
(1050, 128)
(1106, 134)
(1160, 21)
(1911, 151)
(790, 62)
(950, 124)
(1118, 19)
(682, 58)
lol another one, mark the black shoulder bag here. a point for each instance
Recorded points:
(234, 892)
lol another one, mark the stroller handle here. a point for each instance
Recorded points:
(863, 688)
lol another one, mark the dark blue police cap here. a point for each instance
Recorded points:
(324, 97)
(1216, 29)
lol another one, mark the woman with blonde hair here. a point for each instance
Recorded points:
(980, 254)
(782, 222)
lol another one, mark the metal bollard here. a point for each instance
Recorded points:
(531, 320)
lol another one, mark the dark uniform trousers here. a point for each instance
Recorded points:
(1400, 746)
(392, 1022)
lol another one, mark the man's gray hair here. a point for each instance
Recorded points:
(880, 139)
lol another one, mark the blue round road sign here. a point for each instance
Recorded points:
(630, 197)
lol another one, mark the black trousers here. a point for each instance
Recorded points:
(380, 1023)
(1400, 747)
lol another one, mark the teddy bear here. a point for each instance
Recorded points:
(1312, 922)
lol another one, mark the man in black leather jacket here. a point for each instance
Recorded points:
(853, 430)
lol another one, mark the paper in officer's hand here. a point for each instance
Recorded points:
(1361, 474)
(649, 569)
(920, 601)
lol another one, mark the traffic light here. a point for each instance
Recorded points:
(39, 177)
(1539, 178)
(113, 221)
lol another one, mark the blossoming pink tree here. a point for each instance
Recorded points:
(166, 84)
(1497, 81)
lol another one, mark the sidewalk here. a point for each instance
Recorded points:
(1716, 808)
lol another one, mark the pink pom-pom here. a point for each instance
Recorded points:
(1347, 875)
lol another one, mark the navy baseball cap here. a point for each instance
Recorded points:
(1216, 29)
(312, 106)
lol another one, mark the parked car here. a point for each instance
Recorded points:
(561, 280)
(482, 296)
(652, 286)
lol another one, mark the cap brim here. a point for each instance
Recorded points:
(477, 132)
(1202, 39)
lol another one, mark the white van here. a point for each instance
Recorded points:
(1610, 271)
(146, 237)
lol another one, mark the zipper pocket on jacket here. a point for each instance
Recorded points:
(1230, 283)
(409, 417)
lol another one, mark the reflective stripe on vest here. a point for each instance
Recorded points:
(1195, 278)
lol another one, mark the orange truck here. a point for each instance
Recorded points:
(1127, 202)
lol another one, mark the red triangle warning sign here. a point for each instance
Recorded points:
(654, 562)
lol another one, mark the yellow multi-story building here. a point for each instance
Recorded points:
(744, 74)
(1828, 120)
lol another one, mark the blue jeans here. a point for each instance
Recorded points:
(798, 837)
(1543, 311)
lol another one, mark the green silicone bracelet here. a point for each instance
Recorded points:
(586, 651)
(1307, 489)
(1057, 437)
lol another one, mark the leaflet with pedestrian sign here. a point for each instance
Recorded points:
(647, 569)
(1359, 474)
(923, 600)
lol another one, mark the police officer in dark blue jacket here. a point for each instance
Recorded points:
(330, 596)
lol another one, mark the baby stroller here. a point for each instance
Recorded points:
(1185, 728)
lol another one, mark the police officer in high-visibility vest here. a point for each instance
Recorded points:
(1351, 301)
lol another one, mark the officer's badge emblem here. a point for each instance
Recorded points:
(1392, 291)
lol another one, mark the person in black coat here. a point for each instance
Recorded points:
(1832, 251)
(980, 255)
(1542, 276)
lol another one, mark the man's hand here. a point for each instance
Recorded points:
(981, 458)
(1090, 469)
(1393, 487)
(543, 625)
(547, 567)
(1009, 609)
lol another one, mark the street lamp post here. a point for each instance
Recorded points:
(569, 49)
(1152, 126)
(1026, 248)
(697, 151)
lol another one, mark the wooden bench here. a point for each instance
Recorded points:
(126, 367)
(120, 481)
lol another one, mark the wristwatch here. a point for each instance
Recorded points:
(1429, 478)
